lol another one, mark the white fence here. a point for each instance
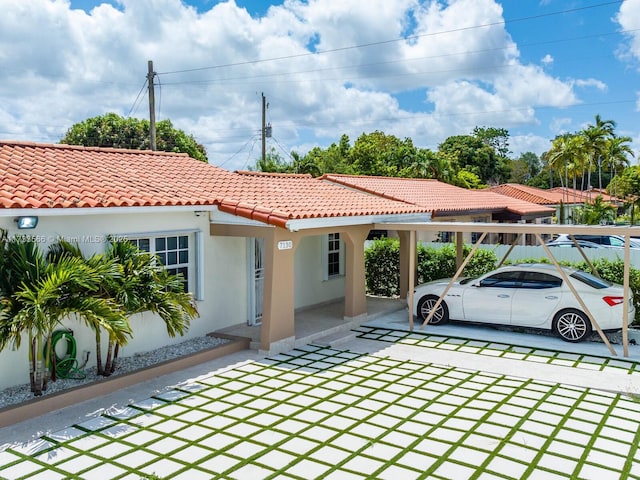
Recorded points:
(570, 254)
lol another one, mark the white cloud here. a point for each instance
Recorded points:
(458, 61)
(547, 60)
(591, 82)
(520, 144)
(629, 19)
(558, 126)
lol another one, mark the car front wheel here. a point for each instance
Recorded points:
(426, 304)
(572, 325)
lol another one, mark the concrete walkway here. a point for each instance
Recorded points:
(390, 404)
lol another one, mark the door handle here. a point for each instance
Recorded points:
(503, 295)
(551, 297)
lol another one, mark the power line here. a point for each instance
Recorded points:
(390, 62)
(395, 40)
(135, 102)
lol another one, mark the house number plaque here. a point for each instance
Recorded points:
(285, 245)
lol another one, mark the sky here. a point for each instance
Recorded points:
(418, 69)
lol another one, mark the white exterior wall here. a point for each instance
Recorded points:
(222, 260)
(311, 288)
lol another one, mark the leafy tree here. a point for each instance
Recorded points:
(498, 138)
(112, 130)
(273, 163)
(466, 179)
(380, 154)
(471, 153)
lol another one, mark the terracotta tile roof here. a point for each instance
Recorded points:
(529, 194)
(441, 198)
(572, 196)
(302, 196)
(62, 176)
(552, 196)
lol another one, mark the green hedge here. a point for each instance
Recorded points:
(382, 264)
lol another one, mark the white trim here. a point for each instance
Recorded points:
(199, 265)
(154, 233)
(309, 223)
(195, 264)
(225, 218)
(70, 211)
(325, 258)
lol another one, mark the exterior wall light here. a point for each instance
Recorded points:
(27, 222)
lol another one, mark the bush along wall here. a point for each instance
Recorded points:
(382, 264)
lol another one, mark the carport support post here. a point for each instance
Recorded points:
(407, 257)
(625, 307)
(459, 249)
(355, 285)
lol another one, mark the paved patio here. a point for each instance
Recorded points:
(389, 404)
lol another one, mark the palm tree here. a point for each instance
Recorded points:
(596, 213)
(566, 155)
(110, 281)
(144, 285)
(596, 137)
(138, 283)
(616, 154)
(37, 295)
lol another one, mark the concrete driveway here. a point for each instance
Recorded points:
(389, 404)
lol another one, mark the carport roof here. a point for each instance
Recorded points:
(51, 177)
(440, 198)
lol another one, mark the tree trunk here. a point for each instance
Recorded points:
(99, 369)
(32, 364)
(116, 350)
(107, 364)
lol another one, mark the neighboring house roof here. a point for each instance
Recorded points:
(528, 194)
(49, 176)
(441, 198)
(552, 196)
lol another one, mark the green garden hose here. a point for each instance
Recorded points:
(66, 365)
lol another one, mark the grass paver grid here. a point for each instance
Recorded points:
(587, 362)
(412, 419)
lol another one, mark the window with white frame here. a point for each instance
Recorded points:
(174, 252)
(333, 253)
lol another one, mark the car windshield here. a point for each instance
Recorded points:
(590, 280)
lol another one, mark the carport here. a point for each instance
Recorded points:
(408, 257)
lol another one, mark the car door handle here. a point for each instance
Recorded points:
(503, 295)
(551, 297)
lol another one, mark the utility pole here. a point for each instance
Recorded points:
(152, 105)
(264, 129)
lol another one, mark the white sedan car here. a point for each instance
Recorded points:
(528, 295)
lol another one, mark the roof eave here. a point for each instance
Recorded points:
(324, 222)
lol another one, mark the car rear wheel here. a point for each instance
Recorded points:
(426, 304)
(572, 325)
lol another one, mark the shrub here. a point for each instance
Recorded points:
(382, 267)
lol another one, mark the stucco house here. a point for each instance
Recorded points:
(448, 203)
(253, 247)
